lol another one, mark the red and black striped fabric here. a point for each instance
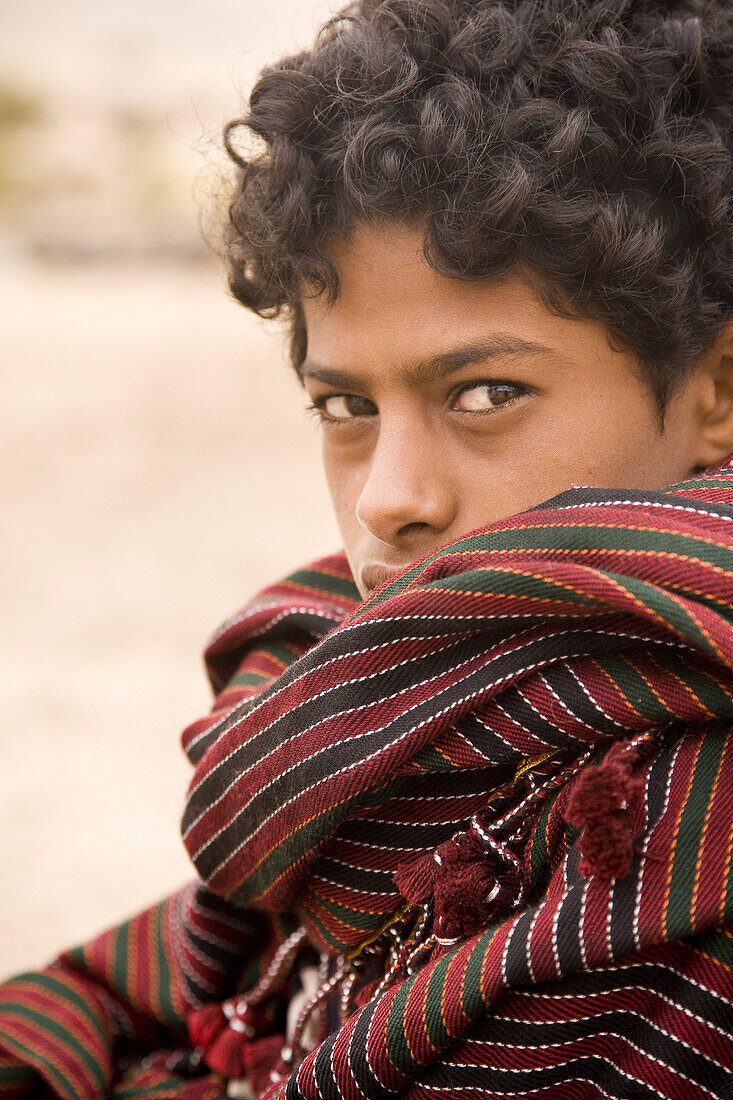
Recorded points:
(352, 740)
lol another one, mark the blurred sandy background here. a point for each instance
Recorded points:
(157, 466)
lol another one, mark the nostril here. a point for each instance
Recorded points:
(409, 530)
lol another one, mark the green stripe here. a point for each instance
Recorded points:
(671, 610)
(576, 534)
(379, 795)
(471, 1001)
(326, 583)
(401, 583)
(19, 1049)
(699, 682)
(505, 581)
(358, 919)
(328, 937)
(170, 1085)
(635, 689)
(716, 945)
(279, 652)
(48, 1025)
(120, 966)
(573, 538)
(285, 654)
(292, 848)
(473, 997)
(50, 984)
(249, 679)
(539, 856)
(168, 1011)
(17, 1076)
(397, 1049)
(78, 955)
(434, 1023)
(431, 760)
(678, 918)
(698, 483)
(641, 696)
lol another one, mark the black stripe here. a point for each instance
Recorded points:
(215, 953)
(624, 911)
(520, 711)
(569, 498)
(332, 760)
(517, 963)
(562, 681)
(483, 739)
(353, 878)
(568, 926)
(394, 835)
(653, 976)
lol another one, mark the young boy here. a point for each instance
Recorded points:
(461, 813)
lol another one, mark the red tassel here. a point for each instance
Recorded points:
(415, 878)
(205, 1023)
(224, 1032)
(603, 803)
(260, 1057)
(465, 886)
(226, 1054)
(607, 848)
(461, 880)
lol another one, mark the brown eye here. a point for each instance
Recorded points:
(345, 406)
(485, 396)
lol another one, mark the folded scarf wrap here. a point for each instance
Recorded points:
(504, 783)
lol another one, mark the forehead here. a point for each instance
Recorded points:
(393, 307)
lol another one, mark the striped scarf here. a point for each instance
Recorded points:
(504, 782)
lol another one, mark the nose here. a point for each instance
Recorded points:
(407, 498)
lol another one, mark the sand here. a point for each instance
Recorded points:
(157, 468)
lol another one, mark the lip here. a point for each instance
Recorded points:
(374, 574)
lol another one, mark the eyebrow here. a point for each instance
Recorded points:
(499, 346)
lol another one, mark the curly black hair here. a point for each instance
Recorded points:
(585, 143)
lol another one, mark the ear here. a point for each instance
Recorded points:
(712, 384)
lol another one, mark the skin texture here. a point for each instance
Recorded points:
(522, 404)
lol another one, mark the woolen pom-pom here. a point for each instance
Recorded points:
(226, 1054)
(603, 804)
(465, 885)
(607, 847)
(260, 1057)
(415, 878)
(205, 1024)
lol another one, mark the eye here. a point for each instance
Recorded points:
(343, 406)
(484, 397)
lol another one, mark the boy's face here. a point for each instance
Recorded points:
(448, 404)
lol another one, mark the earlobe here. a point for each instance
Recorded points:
(714, 401)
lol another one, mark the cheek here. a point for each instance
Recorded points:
(561, 443)
(344, 485)
(616, 442)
